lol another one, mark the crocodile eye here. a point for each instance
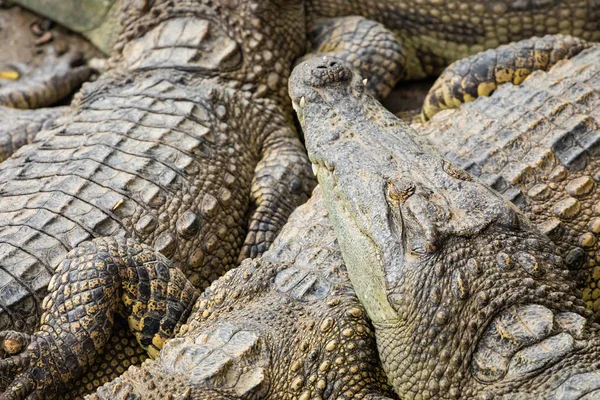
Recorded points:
(143, 5)
(400, 190)
(456, 172)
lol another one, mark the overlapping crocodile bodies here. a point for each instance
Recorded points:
(536, 144)
(186, 144)
(468, 299)
(437, 33)
(285, 326)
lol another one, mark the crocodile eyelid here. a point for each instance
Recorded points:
(400, 190)
(456, 172)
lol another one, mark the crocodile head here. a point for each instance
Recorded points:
(467, 298)
(253, 42)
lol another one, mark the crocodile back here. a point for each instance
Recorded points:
(157, 156)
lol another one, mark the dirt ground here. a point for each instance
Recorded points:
(25, 38)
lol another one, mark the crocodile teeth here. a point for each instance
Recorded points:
(365, 82)
(315, 168)
(302, 102)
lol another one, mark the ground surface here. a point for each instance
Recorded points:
(25, 38)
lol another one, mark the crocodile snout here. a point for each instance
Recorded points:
(323, 71)
(328, 71)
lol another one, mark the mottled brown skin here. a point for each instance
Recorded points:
(468, 299)
(433, 33)
(195, 154)
(120, 352)
(476, 266)
(94, 281)
(536, 144)
(284, 326)
(182, 122)
(465, 80)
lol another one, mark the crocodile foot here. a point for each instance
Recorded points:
(60, 74)
(27, 369)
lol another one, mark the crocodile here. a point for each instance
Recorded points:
(288, 324)
(536, 144)
(186, 143)
(188, 190)
(432, 34)
(428, 39)
(468, 299)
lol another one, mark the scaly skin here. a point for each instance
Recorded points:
(429, 37)
(19, 127)
(535, 144)
(275, 182)
(466, 296)
(235, 300)
(366, 44)
(284, 326)
(195, 154)
(78, 316)
(435, 33)
(465, 80)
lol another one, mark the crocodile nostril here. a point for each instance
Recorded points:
(328, 72)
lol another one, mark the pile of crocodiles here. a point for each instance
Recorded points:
(149, 247)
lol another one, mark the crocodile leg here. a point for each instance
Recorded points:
(282, 181)
(19, 127)
(60, 75)
(95, 281)
(479, 75)
(371, 48)
(121, 351)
